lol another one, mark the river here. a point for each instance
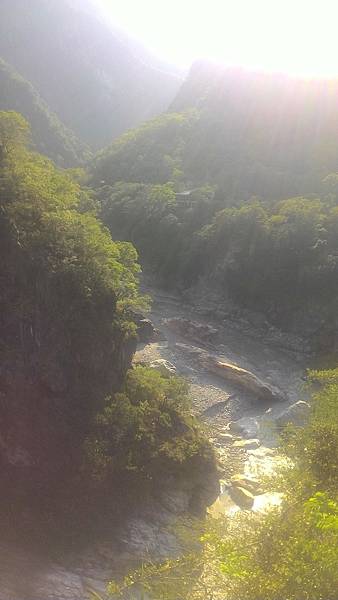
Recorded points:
(27, 574)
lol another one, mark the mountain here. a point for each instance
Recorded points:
(236, 188)
(251, 134)
(97, 80)
(49, 135)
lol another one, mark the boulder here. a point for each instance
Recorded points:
(146, 331)
(296, 414)
(242, 497)
(166, 368)
(243, 378)
(252, 485)
(200, 332)
(247, 427)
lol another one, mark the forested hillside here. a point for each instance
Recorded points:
(49, 135)
(71, 417)
(97, 81)
(242, 187)
(115, 426)
(251, 134)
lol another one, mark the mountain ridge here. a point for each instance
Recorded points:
(85, 71)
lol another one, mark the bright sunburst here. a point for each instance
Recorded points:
(293, 36)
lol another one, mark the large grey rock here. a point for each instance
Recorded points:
(145, 539)
(247, 427)
(192, 330)
(248, 483)
(243, 378)
(296, 414)
(163, 366)
(145, 330)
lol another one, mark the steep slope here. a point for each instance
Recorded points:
(251, 134)
(89, 74)
(49, 135)
(238, 191)
(77, 428)
(63, 344)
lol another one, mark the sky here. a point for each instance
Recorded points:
(298, 37)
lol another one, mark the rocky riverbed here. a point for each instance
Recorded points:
(246, 385)
(242, 409)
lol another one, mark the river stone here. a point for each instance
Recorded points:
(247, 444)
(248, 483)
(243, 498)
(247, 426)
(200, 332)
(164, 367)
(243, 378)
(296, 414)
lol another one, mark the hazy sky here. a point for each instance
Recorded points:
(296, 36)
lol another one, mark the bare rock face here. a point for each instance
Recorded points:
(243, 378)
(146, 538)
(145, 329)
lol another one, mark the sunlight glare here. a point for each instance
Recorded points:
(294, 36)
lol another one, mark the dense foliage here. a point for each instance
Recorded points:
(236, 192)
(146, 432)
(289, 553)
(49, 135)
(251, 134)
(72, 415)
(256, 253)
(65, 297)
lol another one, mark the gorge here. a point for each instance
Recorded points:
(168, 318)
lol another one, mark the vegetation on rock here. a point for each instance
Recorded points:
(290, 552)
(147, 432)
(72, 414)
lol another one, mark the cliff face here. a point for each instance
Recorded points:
(66, 339)
(47, 403)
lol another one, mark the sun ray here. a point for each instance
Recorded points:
(293, 36)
